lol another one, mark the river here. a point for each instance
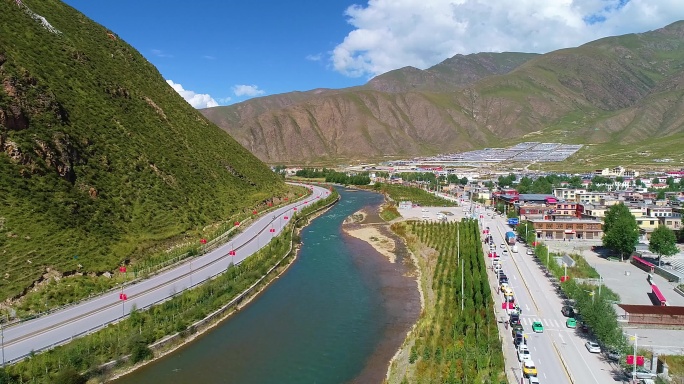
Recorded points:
(336, 316)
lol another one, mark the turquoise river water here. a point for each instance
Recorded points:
(336, 316)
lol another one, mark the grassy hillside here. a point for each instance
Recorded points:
(625, 91)
(99, 157)
(455, 72)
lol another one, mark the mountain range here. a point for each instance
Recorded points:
(623, 91)
(100, 158)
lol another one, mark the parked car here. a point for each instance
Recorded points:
(537, 327)
(524, 353)
(613, 355)
(532, 380)
(643, 373)
(514, 319)
(530, 252)
(568, 311)
(519, 339)
(529, 369)
(515, 328)
(571, 323)
(592, 347)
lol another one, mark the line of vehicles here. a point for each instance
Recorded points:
(528, 367)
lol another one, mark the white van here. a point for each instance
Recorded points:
(514, 249)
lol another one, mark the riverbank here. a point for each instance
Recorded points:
(398, 281)
(246, 297)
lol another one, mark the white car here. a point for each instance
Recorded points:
(532, 380)
(592, 347)
(524, 353)
(530, 252)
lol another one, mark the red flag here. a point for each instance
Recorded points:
(254, 212)
(295, 208)
(272, 230)
(231, 253)
(122, 269)
(237, 223)
(203, 241)
(123, 296)
(286, 217)
(270, 204)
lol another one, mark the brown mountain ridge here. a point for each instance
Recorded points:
(617, 90)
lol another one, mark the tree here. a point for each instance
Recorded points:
(525, 185)
(661, 194)
(526, 231)
(575, 182)
(663, 242)
(463, 181)
(655, 180)
(613, 213)
(622, 235)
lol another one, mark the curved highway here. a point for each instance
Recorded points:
(86, 317)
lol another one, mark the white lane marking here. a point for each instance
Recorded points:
(561, 337)
(527, 307)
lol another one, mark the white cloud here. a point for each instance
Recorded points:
(390, 34)
(160, 53)
(197, 100)
(314, 57)
(247, 90)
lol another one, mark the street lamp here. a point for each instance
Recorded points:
(635, 338)
(2, 343)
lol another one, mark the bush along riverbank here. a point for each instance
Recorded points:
(121, 346)
(456, 338)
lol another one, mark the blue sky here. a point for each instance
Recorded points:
(219, 52)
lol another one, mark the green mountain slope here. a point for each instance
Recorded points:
(625, 90)
(99, 157)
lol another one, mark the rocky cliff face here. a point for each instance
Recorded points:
(621, 89)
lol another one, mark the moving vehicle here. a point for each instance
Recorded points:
(514, 249)
(537, 327)
(592, 347)
(529, 369)
(514, 318)
(532, 380)
(510, 238)
(571, 323)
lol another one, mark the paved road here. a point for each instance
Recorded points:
(64, 325)
(558, 352)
